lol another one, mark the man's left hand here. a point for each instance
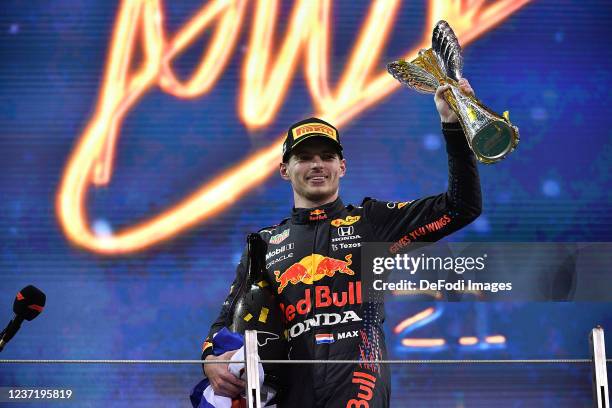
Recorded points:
(446, 113)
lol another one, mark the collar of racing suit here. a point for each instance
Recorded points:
(323, 212)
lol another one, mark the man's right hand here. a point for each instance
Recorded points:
(223, 382)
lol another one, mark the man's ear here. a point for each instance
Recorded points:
(342, 167)
(284, 171)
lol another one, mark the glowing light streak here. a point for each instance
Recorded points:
(468, 341)
(423, 343)
(265, 83)
(497, 339)
(412, 323)
(404, 324)
(218, 54)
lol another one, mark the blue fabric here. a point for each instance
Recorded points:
(223, 341)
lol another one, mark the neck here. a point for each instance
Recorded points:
(303, 202)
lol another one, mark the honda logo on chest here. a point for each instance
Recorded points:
(346, 231)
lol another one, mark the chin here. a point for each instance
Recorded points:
(317, 194)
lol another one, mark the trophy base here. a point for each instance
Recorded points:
(494, 141)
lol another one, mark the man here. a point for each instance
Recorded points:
(313, 264)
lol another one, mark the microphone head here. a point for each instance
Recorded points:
(29, 302)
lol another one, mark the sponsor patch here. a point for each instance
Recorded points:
(312, 268)
(280, 250)
(403, 204)
(324, 297)
(367, 383)
(346, 245)
(394, 204)
(278, 238)
(314, 128)
(280, 258)
(317, 215)
(346, 233)
(349, 220)
(323, 319)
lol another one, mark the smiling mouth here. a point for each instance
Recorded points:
(317, 179)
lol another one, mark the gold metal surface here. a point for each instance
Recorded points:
(490, 136)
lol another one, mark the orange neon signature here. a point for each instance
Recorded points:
(266, 76)
(429, 315)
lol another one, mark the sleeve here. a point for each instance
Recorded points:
(225, 315)
(431, 218)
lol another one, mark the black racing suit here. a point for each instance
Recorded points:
(313, 263)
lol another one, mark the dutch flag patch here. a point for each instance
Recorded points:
(324, 338)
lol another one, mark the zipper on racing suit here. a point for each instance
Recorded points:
(312, 258)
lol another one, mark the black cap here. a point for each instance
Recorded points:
(307, 128)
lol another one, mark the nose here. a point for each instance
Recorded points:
(316, 161)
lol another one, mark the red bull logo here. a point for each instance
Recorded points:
(313, 268)
(323, 297)
(367, 383)
(318, 215)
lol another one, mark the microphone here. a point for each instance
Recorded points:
(28, 304)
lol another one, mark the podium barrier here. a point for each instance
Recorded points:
(597, 364)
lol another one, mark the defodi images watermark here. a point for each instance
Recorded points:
(490, 271)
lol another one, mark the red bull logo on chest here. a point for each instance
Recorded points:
(318, 215)
(313, 268)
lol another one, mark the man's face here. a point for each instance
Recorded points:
(314, 169)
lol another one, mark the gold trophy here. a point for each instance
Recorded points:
(490, 136)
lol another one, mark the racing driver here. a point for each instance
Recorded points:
(313, 264)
